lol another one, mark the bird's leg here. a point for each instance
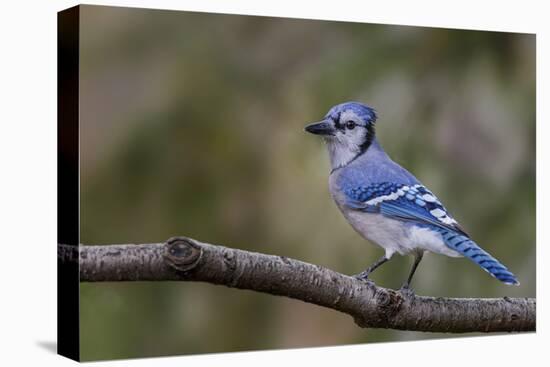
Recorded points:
(364, 275)
(417, 258)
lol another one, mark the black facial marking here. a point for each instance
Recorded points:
(369, 137)
(336, 120)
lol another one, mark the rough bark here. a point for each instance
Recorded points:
(185, 259)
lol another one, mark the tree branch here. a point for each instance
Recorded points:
(185, 259)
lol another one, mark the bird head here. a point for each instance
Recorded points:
(348, 130)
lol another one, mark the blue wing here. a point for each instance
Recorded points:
(417, 204)
(410, 203)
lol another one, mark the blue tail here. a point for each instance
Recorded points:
(472, 251)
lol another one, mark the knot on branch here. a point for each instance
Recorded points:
(387, 303)
(182, 253)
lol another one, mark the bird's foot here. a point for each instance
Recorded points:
(364, 277)
(406, 290)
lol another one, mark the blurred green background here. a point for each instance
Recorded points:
(192, 124)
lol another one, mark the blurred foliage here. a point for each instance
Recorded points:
(192, 124)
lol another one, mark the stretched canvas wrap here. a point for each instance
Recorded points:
(195, 212)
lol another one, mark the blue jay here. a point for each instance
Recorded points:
(384, 202)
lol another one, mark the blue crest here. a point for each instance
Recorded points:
(366, 113)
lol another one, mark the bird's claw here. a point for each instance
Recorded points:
(364, 277)
(406, 290)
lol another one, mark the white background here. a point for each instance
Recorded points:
(28, 181)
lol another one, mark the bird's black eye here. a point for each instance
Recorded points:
(350, 125)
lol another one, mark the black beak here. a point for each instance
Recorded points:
(320, 128)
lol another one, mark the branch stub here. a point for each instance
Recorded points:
(182, 253)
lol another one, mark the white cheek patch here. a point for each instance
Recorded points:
(344, 147)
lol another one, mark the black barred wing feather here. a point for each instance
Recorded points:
(406, 202)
